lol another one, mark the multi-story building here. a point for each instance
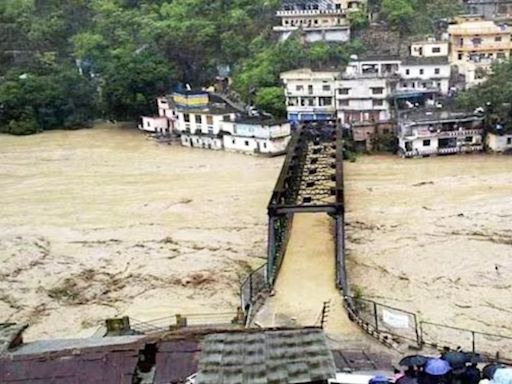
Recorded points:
(499, 141)
(210, 121)
(430, 48)
(490, 9)
(427, 128)
(319, 20)
(476, 44)
(310, 95)
(425, 73)
(362, 91)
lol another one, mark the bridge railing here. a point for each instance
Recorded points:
(251, 290)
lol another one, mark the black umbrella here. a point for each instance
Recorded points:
(457, 360)
(413, 360)
(489, 370)
(475, 358)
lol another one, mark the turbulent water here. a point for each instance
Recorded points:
(101, 223)
(434, 236)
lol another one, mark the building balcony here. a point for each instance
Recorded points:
(444, 151)
(310, 12)
(484, 47)
(416, 133)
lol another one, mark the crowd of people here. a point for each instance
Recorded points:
(452, 367)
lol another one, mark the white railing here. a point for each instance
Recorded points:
(310, 12)
(445, 151)
(445, 134)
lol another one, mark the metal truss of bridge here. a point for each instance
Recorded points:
(310, 181)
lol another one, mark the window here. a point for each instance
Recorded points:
(199, 119)
(426, 143)
(233, 141)
(469, 139)
(377, 90)
(326, 88)
(344, 91)
(310, 89)
(265, 145)
(299, 88)
(407, 71)
(186, 117)
(459, 56)
(149, 124)
(378, 103)
(386, 131)
(509, 140)
(436, 49)
(497, 38)
(437, 71)
(209, 120)
(422, 71)
(246, 142)
(343, 103)
(461, 41)
(500, 55)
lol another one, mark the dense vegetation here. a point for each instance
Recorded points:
(65, 62)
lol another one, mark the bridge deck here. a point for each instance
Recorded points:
(307, 279)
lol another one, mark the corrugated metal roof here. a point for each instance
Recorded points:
(277, 357)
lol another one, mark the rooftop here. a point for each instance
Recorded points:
(425, 115)
(478, 27)
(216, 105)
(266, 356)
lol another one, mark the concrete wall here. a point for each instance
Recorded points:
(155, 124)
(194, 124)
(430, 49)
(422, 76)
(499, 143)
(205, 142)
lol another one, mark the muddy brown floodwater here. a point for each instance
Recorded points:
(101, 223)
(434, 236)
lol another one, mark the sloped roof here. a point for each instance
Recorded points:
(263, 357)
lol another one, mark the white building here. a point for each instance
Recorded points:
(425, 73)
(362, 91)
(318, 20)
(257, 135)
(209, 121)
(430, 132)
(310, 95)
(430, 48)
(499, 142)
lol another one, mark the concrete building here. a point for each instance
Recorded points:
(164, 123)
(318, 20)
(310, 94)
(427, 128)
(475, 45)
(430, 48)
(499, 142)
(425, 73)
(259, 135)
(489, 9)
(362, 91)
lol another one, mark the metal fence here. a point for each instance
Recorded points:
(252, 286)
(386, 319)
(213, 320)
(493, 346)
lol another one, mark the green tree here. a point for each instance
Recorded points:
(271, 100)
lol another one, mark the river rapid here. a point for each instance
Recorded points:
(104, 222)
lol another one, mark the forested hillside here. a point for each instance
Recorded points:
(65, 62)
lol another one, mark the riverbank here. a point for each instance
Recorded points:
(100, 223)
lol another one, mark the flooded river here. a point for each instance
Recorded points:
(101, 223)
(434, 236)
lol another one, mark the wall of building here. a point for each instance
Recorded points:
(255, 145)
(205, 142)
(155, 124)
(425, 76)
(430, 49)
(207, 123)
(499, 143)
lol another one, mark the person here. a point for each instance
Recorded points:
(472, 375)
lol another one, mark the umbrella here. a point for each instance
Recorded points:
(407, 380)
(456, 360)
(489, 370)
(413, 360)
(475, 358)
(437, 367)
(379, 380)
(502, 376)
